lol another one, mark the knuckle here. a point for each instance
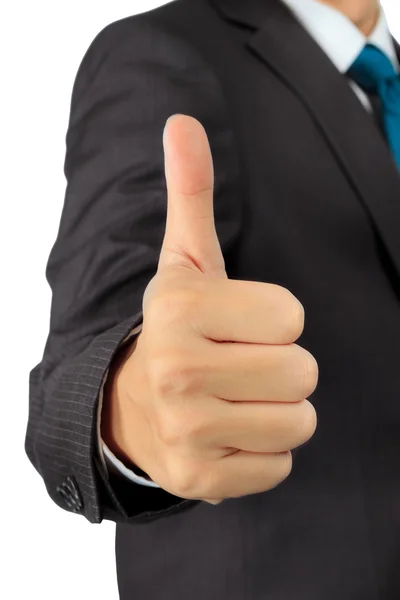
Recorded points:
(308, 422)
(175, 377)
(168, 430)
(295, 315)
(160, 372)
(311, 372)
(285, 467)
(182, 428)
(208, 479)
(194, 430)
(184, 480)
(296, 325)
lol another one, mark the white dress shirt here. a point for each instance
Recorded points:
(342, 41)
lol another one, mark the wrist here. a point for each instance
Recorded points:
(116, 407)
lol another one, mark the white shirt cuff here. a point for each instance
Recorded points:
(110, 462)
(114, 464)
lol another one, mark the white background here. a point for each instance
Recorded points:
(46, 552)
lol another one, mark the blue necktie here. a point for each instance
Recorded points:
(375, 74)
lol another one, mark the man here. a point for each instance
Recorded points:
(180, 386)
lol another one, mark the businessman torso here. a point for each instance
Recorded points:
(307, 196)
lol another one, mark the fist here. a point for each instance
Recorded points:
(213, 396)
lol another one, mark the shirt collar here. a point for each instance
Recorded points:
(382, 39)
(327, 25)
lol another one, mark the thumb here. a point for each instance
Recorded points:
(190, 238)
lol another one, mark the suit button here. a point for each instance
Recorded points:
(69, 492)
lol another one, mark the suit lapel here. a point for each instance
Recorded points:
(286, 48)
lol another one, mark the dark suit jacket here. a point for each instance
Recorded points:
(307, 196)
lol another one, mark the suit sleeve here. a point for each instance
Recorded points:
(133, 76)
(109, 461)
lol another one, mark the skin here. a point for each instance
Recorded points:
(212, 398)
(363, 13)
(210, 405)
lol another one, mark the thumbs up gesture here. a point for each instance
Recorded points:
(212, 397)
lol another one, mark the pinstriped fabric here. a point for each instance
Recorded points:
(61, 433)
(98, 270)
(108, 245)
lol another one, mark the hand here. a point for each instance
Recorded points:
(212, 398)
